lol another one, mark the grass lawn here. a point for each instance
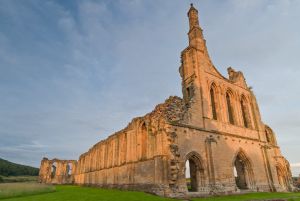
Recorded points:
(253, 196)
(77, 193)
(8, 190)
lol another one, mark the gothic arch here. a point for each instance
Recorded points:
(241, 163)
(197, 173)
(213, 100)
(196, 156)
(215, 85)
(144, 140)
(230, 91)
(282, 176)
(229, 98)
(246, 117)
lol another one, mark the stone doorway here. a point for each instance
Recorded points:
(240, 174)
(243, 173)
(194, 173)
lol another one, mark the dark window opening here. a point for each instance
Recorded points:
(53, 169)
(69, 169)
(213, 104)
(229, 109)
(144, 138)
(244, 114)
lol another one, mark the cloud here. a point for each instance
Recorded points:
(295, 165)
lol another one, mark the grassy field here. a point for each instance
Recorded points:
(8, 190)
(254, 196)
(77, 193)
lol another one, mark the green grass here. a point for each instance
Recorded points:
(77, 193)
(8, 190)
(253, 196)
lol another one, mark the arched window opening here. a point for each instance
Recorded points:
(190, 92)
(53, 169)
(229, 109)
(243, 107)
(69, 169)
(194, 173)
(144, 141)
(213, 104)
(240, 177)
(243, 172)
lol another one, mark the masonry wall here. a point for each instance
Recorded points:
(134, 158)
(218, 163)
(57, 171)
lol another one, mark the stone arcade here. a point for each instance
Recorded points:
(216, 128)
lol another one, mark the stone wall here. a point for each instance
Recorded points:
(131, 158)
(57, 171)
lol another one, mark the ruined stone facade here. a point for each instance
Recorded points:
(57, 171)
(216, 128)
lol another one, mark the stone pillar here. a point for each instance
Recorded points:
(210, 163)
(268, 167)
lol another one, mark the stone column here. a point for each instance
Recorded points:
(268, 167)
(210, 163)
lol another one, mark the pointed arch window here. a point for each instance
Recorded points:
(144, 141)
(244, 111)
(229, 109)
(213, 104)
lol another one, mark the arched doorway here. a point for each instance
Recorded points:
(240, 170)
(243, 172)
(194, 172)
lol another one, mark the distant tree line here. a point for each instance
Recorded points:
(12, 169)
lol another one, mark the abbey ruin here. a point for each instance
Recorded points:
(215, 129)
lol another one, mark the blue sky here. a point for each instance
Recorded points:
(73, 72)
